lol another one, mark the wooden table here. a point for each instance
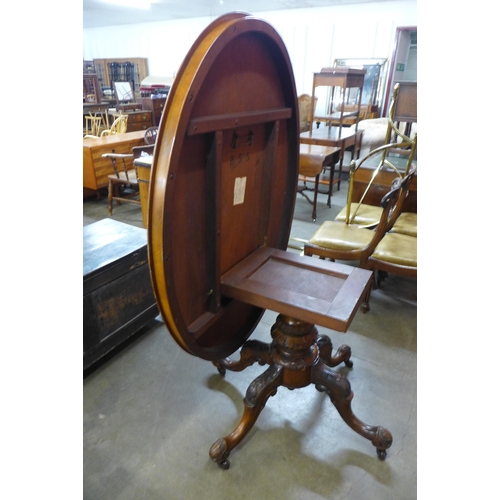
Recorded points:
(337, 137)
(313, 159)
(342, 78)
(95, 168)
(337, 118)
(222, 193)
(94, 106)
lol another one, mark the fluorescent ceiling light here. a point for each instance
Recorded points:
(134, 4)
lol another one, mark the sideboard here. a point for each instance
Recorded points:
(96, 168)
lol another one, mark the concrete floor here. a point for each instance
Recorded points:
(152, 411)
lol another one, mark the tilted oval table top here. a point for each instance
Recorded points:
(223, 179)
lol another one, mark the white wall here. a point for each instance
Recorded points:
(314, 37)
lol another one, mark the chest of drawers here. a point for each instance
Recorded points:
(139, 120)
(155, 105)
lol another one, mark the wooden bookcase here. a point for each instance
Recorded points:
(129, 69)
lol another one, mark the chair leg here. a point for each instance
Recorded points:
(381, 276)
(117, 193)
(110, 198)
(316, 188)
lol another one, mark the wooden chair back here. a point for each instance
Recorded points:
(119, 126)
(119, 164)
(398, 207)
(305, 104)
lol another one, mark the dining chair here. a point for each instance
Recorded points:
(305, 104)
(119, 126)
(123, 184)
(396, 253)
(92, 124)
(406, 223)
(336, 240)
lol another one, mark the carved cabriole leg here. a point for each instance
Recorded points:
(338, 389)
(259, 391)
(325, 352)
(251, 352)
(297, 357)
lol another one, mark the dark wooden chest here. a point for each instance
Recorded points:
(118, 296)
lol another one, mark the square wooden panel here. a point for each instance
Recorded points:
(312, 290)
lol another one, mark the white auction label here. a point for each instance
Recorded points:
(239, 190)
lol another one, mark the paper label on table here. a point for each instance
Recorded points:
(239, 190)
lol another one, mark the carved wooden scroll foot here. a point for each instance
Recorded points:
(338, 389)
(343, 353)
(259, 391)
(251, 352)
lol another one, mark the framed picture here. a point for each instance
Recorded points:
(375, 78)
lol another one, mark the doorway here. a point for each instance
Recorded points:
(403, 66)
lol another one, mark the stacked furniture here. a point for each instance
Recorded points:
(348, 236)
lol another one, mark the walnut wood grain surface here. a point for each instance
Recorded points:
(316, 291)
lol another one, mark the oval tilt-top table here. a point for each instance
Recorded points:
(221, 200)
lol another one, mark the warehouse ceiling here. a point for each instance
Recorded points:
(98, 13)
